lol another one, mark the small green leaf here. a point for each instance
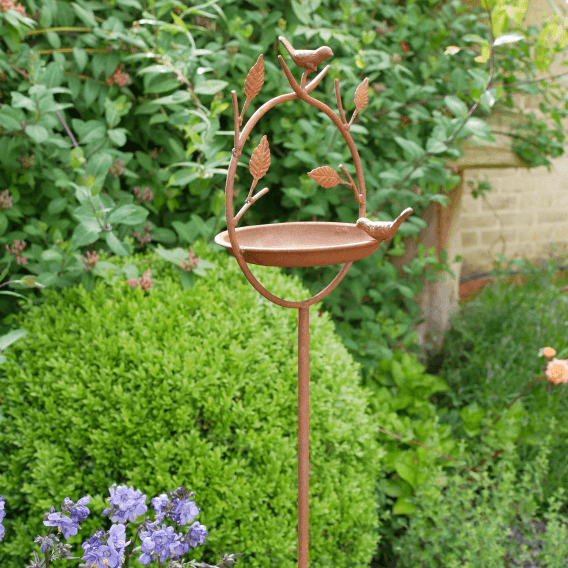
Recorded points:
(479, 128)
(187, 279)
(57, 205)
(187, 231)
(51, 254)
(413, 150)
(83, 236)
(9, 123)
(20, 101)
(76, 157)
(11, 337)
(81, 58)
(472, 416)
(115, 245)
(88, 280)
(173, 99)
(118, 136)
(174, 256)
(210, 87)
(129, 214)
(37, 133)
(435, 146)
(456, 106)
(8, 293)
(403, 506)
(156, 69)
(130, 271)
(301, 12)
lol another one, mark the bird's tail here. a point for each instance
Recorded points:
(286, 44)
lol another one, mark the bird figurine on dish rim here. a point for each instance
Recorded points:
(383, 230)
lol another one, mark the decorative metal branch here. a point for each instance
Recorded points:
(308, 60)
(290, 77)
(259, 164)
(339, 104)
(315, 82)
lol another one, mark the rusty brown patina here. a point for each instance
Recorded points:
(306, 243)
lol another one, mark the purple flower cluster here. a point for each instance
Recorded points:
(2, 515)
(129, 502)
(111, 554)
(162, 542)
(107, 549)
(67, 525)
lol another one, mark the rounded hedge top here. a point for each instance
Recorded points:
(197, 387)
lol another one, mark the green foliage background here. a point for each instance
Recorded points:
(144, 89)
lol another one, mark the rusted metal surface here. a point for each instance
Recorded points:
(300, 244)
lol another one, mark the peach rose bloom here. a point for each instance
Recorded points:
(557, 371)
(548, 352)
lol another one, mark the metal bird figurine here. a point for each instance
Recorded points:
(383, 230)
(306, 58)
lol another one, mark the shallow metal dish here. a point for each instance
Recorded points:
(311, 243)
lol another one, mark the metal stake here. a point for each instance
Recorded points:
(303, 433)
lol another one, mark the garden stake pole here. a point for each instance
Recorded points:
(303, 243)
(303, 433)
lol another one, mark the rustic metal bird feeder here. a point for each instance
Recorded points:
(305, 243)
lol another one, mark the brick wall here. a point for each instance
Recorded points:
(527, 209)
(524, 212)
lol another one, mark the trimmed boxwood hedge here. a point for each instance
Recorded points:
(196, 387)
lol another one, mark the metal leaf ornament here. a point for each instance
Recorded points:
(254, 81)
(326, 177)
(260, 159)
(259, 163)
(362, 95)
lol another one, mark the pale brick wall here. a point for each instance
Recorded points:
(527, 209)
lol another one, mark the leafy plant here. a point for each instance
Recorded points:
(472, 524)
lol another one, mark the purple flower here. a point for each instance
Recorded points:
(160, 503)
(197, 534)
(2, 515)
(94, 542)
(129, 502)
(116, 539)
(65, 525)
(184, 512)
(78, 511)
(162, 543)
(102, 557)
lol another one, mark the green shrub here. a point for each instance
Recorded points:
(471, 525)
(197, 387)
